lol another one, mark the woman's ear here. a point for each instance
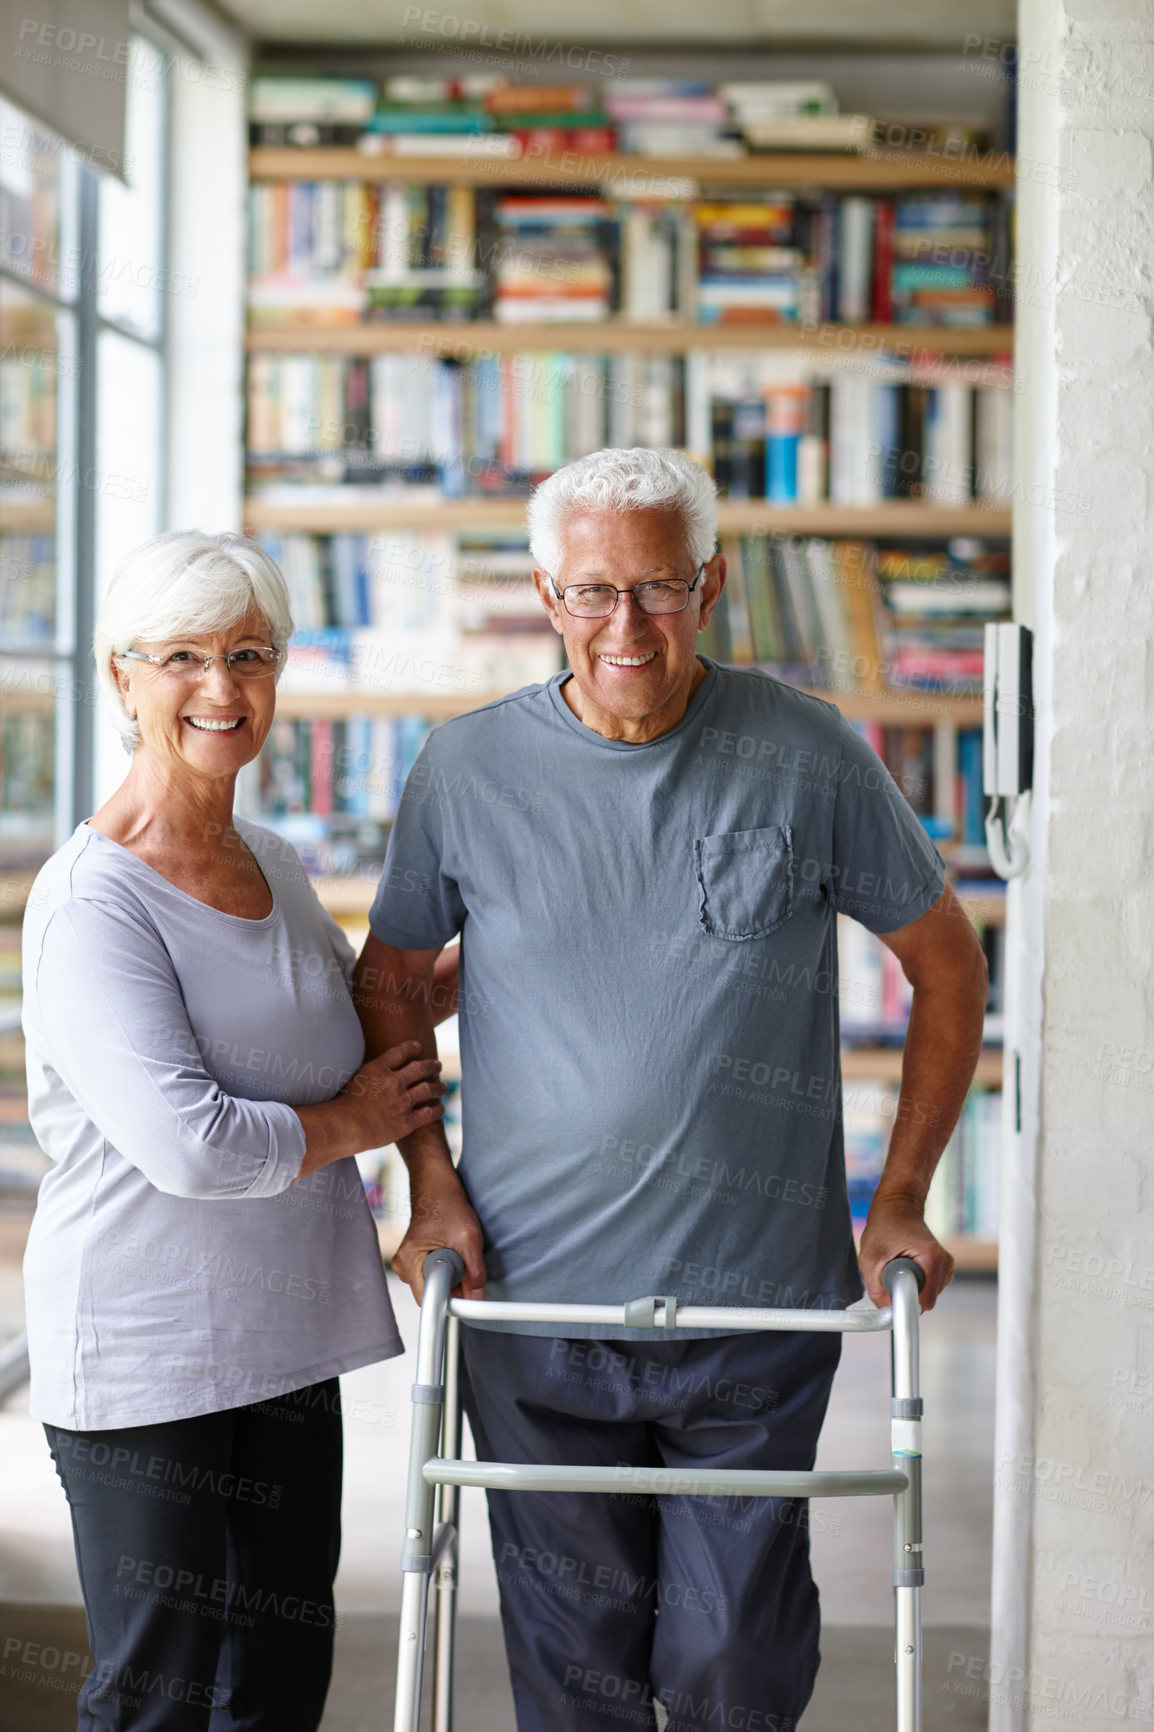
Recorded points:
(124, 685)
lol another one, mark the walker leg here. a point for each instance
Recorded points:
(909, 1557)
(417, 1561)
(445, 1604)
(909, 1658)
(411, 1650)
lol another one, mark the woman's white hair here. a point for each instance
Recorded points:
(617, 480)
(185, 584)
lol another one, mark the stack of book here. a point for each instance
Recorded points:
(936, 606)
(27, 775)
(28, 403)
(27, 591)
(671, 117)
(780, 428)
(413, 613)
(429, 116)
(310, 243)
(427, 264)
(868, 1111)
(874, 995)
(658, 252)
(813, 611)
(556, 258)
(963, 1196)
(341, 249)
(318, 772)
(940, 247)
(548, 118)
(926, 259)
(803, 607)
(328, 578)
(773, 427)
(749, 267)
(482, 427)
(777, 114)
(506, 639)
(306, 112)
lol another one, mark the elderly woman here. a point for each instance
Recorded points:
(202, 1264)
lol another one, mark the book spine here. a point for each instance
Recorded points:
(883, 259)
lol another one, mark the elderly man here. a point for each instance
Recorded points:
(645, 858)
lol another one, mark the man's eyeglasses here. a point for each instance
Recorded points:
(597, 600)
(186, 666)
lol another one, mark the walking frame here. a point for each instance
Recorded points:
(431, 1551)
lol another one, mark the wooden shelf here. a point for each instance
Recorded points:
(348, 897)
(884, 1064)
(983, 910)
(337, 703)
(734, 517)
(911, 710)
(614, 336)
(34, 517)
(973, 1255)
(644, 176)
(19, 701)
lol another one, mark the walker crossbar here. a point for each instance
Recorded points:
(660, 1313)
(430, 1548)
(663, 1481)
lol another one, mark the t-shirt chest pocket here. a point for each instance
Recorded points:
(744, 881)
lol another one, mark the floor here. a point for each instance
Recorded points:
(851, 1542)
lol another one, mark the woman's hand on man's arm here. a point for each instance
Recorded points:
(397, 996)
(389, 1097)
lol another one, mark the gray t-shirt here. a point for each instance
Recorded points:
(651, 1085)
(173, 1268)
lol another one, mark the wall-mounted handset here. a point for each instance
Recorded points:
(1008, 745)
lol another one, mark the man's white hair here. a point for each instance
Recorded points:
(185, 584)
(616, 480)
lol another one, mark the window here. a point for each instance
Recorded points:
(82, 333)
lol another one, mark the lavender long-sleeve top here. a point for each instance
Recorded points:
(173, 1267)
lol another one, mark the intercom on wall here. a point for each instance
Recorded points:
(1008, 744)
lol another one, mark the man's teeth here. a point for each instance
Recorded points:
(213, 727)
(629, 661)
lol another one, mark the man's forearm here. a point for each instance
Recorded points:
(393, 993)
(942, 1046)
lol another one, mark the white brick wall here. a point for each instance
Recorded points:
(1073, 1617)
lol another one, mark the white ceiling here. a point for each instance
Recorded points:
(948, 25)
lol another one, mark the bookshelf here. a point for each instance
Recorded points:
(648, 177)
(734, 516)
(317, 506)
(904, 709)
(614, 335)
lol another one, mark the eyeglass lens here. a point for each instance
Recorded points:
(596, 600)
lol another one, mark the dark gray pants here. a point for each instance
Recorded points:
(613, 1602)
(207, 1549)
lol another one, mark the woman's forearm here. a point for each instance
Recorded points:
(331, 1133)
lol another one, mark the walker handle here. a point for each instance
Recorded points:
(444, 1255)
(896, 1265)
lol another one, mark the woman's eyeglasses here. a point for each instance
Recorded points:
(186, 666)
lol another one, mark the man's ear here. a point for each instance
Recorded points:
(712, 585)
(548, 600)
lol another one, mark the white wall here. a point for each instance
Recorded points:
(208, 252)
(1073, 1607)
